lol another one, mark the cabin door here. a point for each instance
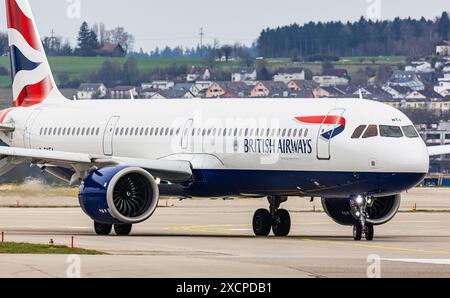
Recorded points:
(109, 135)
(331, 125)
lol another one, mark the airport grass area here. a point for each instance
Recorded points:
(39, 249)
(78, 68)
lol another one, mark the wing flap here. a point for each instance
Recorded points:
(171, 170)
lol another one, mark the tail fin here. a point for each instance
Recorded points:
(32, 78)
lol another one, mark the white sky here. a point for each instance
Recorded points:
(178, 22)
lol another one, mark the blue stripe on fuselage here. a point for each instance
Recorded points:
(216, 183)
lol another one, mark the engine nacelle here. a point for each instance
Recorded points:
(381, 210)
(119, 195)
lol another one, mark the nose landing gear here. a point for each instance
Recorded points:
(359, 205)
(277, 219)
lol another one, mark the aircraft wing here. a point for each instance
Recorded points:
(171, 170)
(439, 150)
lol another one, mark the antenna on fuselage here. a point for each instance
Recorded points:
(131, 95)
(360, 93)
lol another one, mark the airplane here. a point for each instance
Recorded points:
(356, 155)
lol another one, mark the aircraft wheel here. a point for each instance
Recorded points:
(262, 222)
(123, 229)
(281, 225)
(357, 232)
(102, 229)
(369, 233)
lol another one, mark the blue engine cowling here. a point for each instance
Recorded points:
(119, 195)
(380, 211)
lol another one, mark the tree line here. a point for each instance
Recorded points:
(409, 37)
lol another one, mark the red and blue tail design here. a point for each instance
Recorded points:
(33, 82)
(339, 121)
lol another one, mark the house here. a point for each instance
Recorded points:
(243, 74)
(443, 86)
(443, 48)
(332, 77)
(419, 66)
(158, 85)
(147, 93)
(179, 93)
(287, 74)
(92, 91)
(111, 50)
(270, 89)
(372, 92)
(198, 73)
(406, 79)
(298, 85)
(396, 91)
(227, 89)
(307, 86)
(202, 86)
(123, 92)
(191, 87)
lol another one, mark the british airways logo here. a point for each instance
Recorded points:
(335, 123)
(34, 83)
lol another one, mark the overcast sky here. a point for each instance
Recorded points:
(178, 22)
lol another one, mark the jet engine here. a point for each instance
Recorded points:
(119, 195)
(380, 210)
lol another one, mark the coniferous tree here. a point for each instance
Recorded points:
(87, 41)
(444, 25)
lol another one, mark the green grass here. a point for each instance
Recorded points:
(42, 249)
(78, 68)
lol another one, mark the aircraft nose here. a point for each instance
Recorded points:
(418, 159)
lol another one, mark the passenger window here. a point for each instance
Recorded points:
(372, 131)
(410, 131)
(391, 131)
(358, 131)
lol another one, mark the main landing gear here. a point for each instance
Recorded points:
(276, 219)
(105, 229)
(361, 227)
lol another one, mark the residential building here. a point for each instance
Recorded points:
(419, 66)
(396, 91)
(443, 48)
(406, 79)
(243, 74)
(287, 74)
(123, 92)
(443, 86)
(270, 89)
(92, 91)
(173, 94)
(227, 89)
(111, 50)
(158, 85)
(332, 77)
(198, 73)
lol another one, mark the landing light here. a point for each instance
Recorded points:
(359, 200)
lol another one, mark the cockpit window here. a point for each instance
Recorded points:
(391, 131)
(372, 131)
(358, 131)
(410, 131)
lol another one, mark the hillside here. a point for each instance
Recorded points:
(79, 68)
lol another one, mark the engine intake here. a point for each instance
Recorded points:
(117, 195)
(381, 210)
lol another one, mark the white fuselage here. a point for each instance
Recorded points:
(224, 134)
